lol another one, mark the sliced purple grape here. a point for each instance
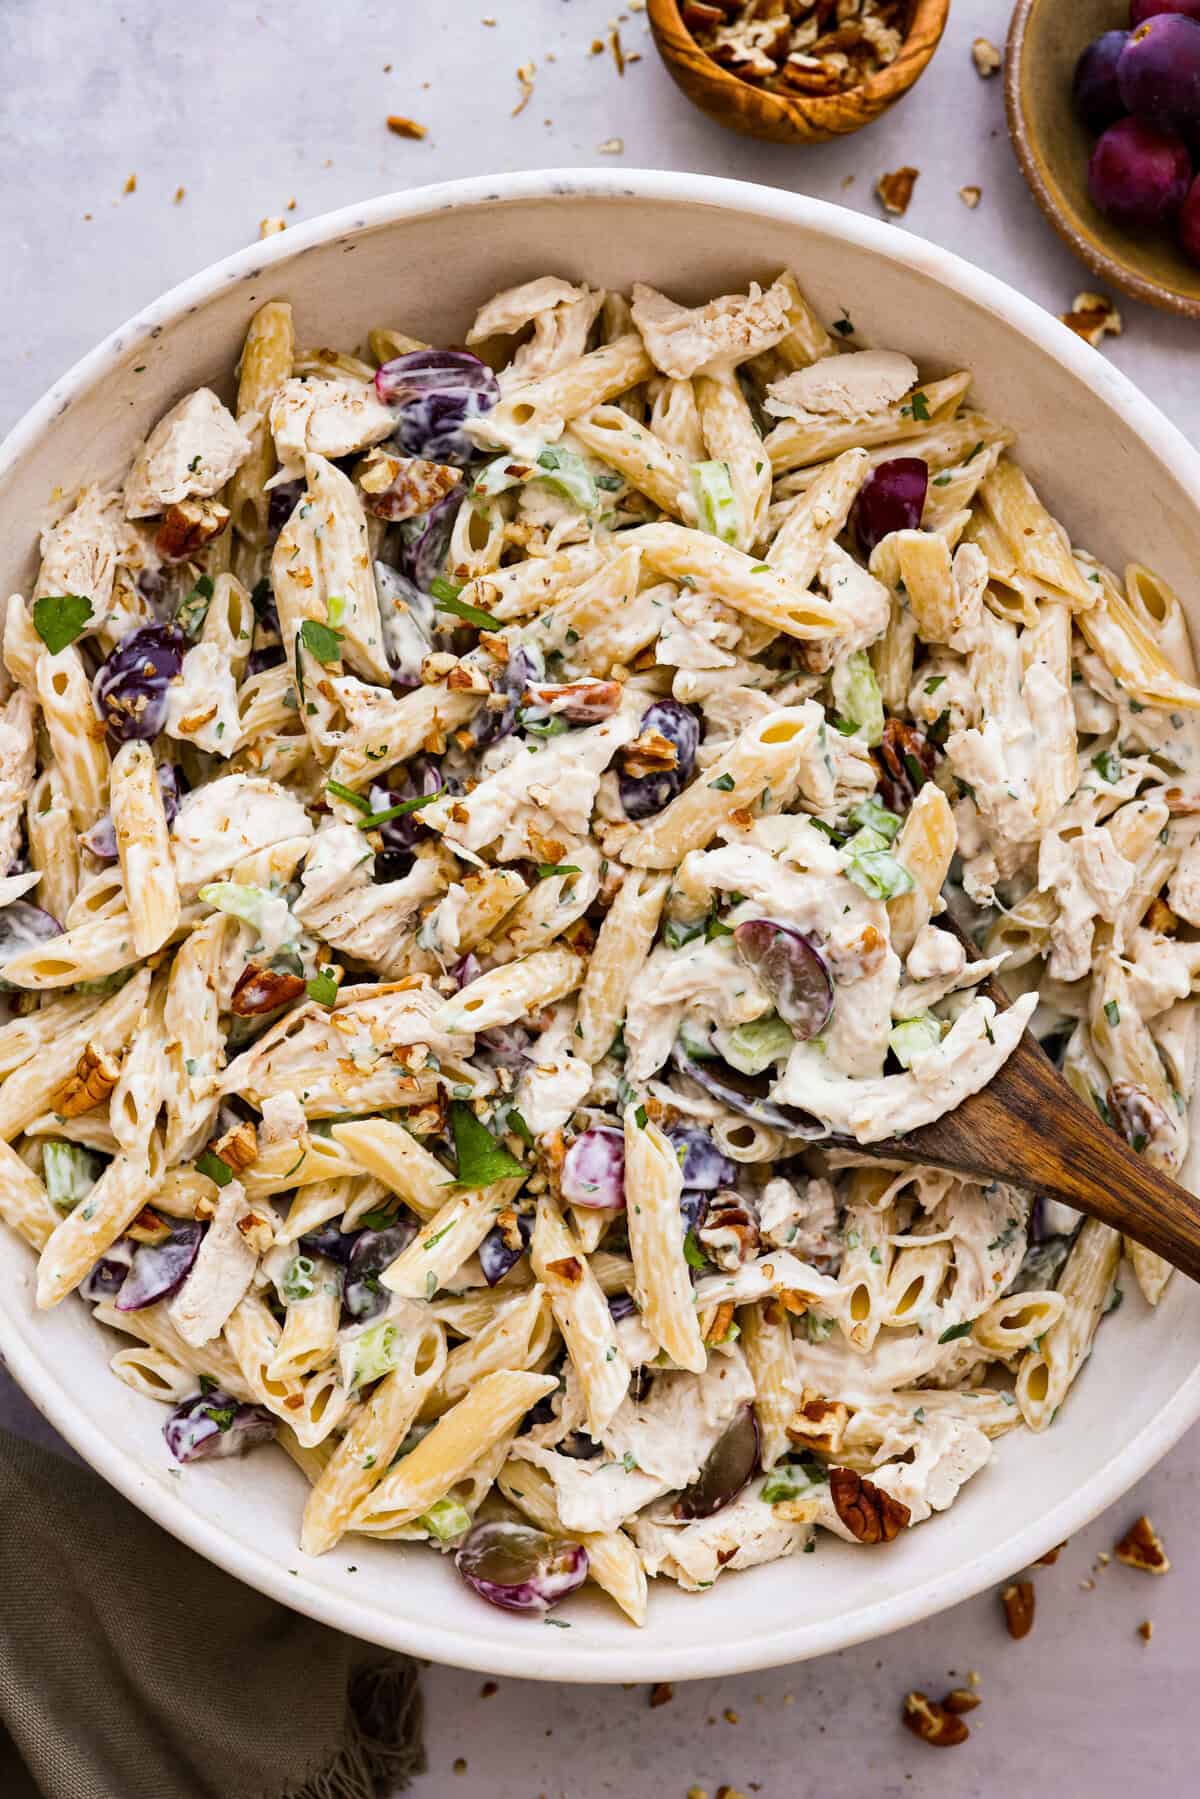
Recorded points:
(593, 1171)
(104, 1279)
(523, 666)
(730, 1465)
(519, 1568)
(644, 795)
(506, 1046)
(1097, 97)
(693, 1207)
(496, 1253)
(270, 656)
(22, 925)
(416, 780)
(892, 498)
(158, 1269)
(433, 394)
(1139, 175)
(791, 970)
(746, 1094)
(622, 1306)
(365, 1296)
(329, 1241)
(1159, 73)
(102, 838)
(467, 969)
(1189, 223)
(703, 1165)
(211, 1425)
(408, 624)
(282, 502)
(131, 687)
(425, 540)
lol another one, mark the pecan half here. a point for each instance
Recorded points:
(869, 1514)
(261, 989)
(399, 487)
(931, 1722)
(238, 1147)
(905, 760)
(93, 1080)
(1141, 1548)
(959, 1700)
(1018, 1600)
(187, 526)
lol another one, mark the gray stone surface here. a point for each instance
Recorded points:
(248, 106)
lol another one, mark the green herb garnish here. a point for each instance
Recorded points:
(59, 618)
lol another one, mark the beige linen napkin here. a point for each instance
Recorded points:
(132, 1669)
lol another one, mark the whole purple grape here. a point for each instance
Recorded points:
(131, 688)
(1189, 224)
(1141, 10)
(643, 795)
(1139, 175)
(892, 498)
(1158, 73)
(519, 1568)
(433, 393)
(1097, 96)
(593, 1171)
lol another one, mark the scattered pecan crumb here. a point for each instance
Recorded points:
(895, 190)
(985, 56)
(730, 1716)
(1018, 1602)
(271, 227)
(569, 1269)
(970, 196)
(460, 1764)
(597, 48)
(614, 40)
(488, 1688)
(727, 1792)
(525, 75)
(661, 1693)
(1092, 317)
(487, 19)
(1141, 1547)
(1146, 1629)
(238, 1147)
(179, 193)
(973, 1677)
(1103, 1558)
(612, 146)
(402, 127)
(697, 1793)
(959, 1700)
(869, 1514)
(932, 1722)
(131, 185)
(1051, 1556)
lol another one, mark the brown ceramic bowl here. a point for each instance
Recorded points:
(806, 119)
(1053, 145)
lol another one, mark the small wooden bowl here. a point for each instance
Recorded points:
(743, 107)
(1052, 144)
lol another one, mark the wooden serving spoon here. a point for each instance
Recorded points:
(1029, 1128)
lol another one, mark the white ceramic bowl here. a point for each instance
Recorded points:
(1106, 461)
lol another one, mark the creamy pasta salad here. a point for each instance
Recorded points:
(475, 825)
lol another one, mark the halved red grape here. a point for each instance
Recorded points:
(433, 394)
(1097, 96)
(1189, 223)
(1141, 10)
(731, 1463)
(131, 687)
(704, 1167)
(519, 1568)
(892, 498)
(1159, 73)
(211, 1425)
(1139, 175)
(593, 1171)
(22, 924)
(791, 970)
(643, 795)
(157, 1269)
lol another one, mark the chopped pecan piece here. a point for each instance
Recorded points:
(819, 1423)
(729, 1233)
(905, 760)
(462, 678)
(583, 702)
(187, 526)
(970, 196)
(985, 56)
(399, 487)
(568, 1269)
(238, 1147)
(932, 1722)
(1141, 1547)
(1138, 1116)
(510, 1230)
(895, 190)
(869, 1514)
(650, 754)
(720, 1323)
(148, 1227)
(94, 1078)
(1146, 1629)
(661, 1693)
(261, 990)
(257, 1230)
(1018, 1601)
(1092, 317)
(1160, 918)
(402, 127)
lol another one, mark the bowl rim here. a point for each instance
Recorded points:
(878, 91)
(525, 1653)
(1068, 224)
